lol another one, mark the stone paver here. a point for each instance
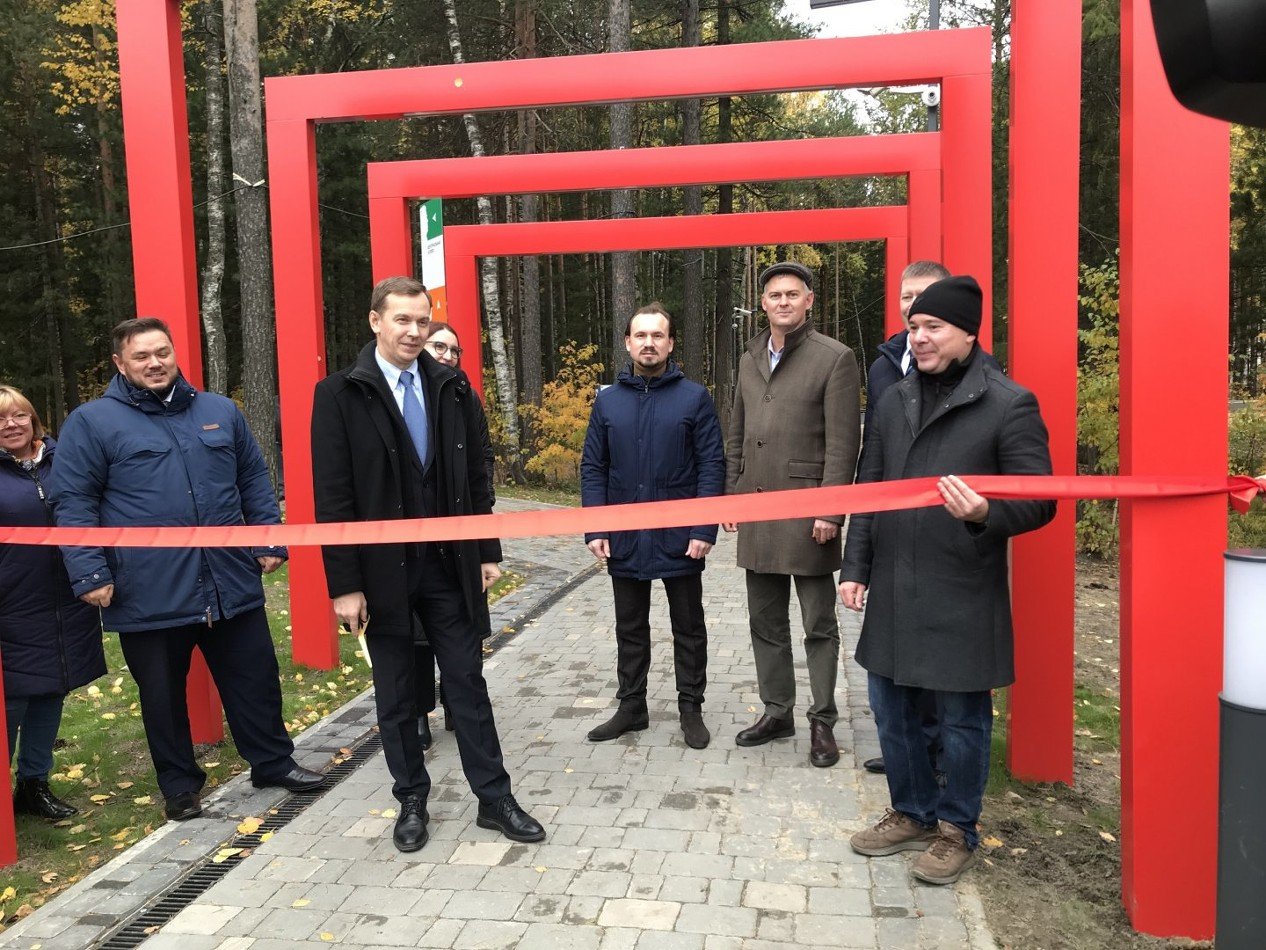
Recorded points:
(652, 845)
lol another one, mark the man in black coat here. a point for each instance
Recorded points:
(396, 435)
(934, 580)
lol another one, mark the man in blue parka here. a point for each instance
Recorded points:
(155, 451)
(654, 436)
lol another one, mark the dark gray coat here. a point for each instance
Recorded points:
(938, 611)
(797, 427)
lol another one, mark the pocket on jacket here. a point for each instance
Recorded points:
(798, 468)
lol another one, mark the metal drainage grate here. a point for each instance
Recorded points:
(162, 908)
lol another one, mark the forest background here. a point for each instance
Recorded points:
(552, 323)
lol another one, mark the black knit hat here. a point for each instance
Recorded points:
(786, 267)
(955, 300)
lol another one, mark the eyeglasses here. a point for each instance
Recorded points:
(440, 349)
(18, 418)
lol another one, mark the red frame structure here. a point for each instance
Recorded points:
(1174, 175)
(957, 59)
(392, 185)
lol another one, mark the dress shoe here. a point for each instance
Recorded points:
(692, 727)
(410, 831)
(875, 765)
(624, 720)
(298, 779)
(182, 807)
(823, 751)
(32, 796)
(766, 728)
(424, 731)
(506, 816)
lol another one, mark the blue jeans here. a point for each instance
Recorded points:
(966, 724)
(38, 718)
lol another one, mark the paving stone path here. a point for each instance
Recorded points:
(652, 845)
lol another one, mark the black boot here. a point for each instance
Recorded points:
(624, 720)
(693, 729)
(33, 797)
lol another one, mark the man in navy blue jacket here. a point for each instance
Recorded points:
(654, 436)
(155, 451)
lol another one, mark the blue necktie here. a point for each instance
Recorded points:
(414, 416)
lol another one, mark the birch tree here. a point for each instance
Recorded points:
(216, 353)
(502, 365)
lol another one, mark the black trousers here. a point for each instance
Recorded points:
(243, 664)
(458, 648)
(633, 639)
(424, 658)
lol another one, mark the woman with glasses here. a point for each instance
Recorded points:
(443, 345)
(50, 641)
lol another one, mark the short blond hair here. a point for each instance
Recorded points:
(11, 398)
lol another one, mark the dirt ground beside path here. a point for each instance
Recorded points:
(1051, 874)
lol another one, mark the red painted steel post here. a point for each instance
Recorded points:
(301, 365)
(8, 828)
(896, 257)
(923, 195)
(160, 200)
(1042, 352)
(390, 237)
(461, 275)
(1174, 313)
(967, 197)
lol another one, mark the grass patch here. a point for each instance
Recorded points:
(103, 768)
(568, 498)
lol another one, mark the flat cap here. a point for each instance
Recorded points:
(793, 268)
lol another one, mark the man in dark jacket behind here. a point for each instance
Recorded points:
(155, 451)
(934, 580)
(396, 435)
(654, 436)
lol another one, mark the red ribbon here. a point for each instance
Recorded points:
(763, 506)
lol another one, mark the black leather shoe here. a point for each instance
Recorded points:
(693, 729)
(424, 731)
(183, 807)
(410, 832)
(298, 779)
(823, 750)
(766, 729)
(623, 721)
(875, 765)
(32, 796)
(506, 816)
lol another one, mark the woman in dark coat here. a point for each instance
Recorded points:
(443, 344)
(50, 641)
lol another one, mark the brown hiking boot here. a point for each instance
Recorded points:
(894, 832)
(946, 858)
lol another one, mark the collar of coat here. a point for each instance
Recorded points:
(147, 401)
(972, 388)
(434, 375)
(672, 372)
(758, 344)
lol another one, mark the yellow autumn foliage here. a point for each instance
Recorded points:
(558, 424)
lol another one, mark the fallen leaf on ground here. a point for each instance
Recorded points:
(143, 800)
(1107, 836)
(224, 854)
(991, 842)
(249, 826)
(301, 902)
(124, 785)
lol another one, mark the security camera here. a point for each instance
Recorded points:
(931, 97)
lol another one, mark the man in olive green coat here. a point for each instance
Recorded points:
(795, 424)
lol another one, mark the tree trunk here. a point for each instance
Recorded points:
(623, 263)
(691, 346)
(217, 358)
(117, 287)
(501, 365)
(254, 252)
(53, 283)
(530, 288)
(725, 317)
